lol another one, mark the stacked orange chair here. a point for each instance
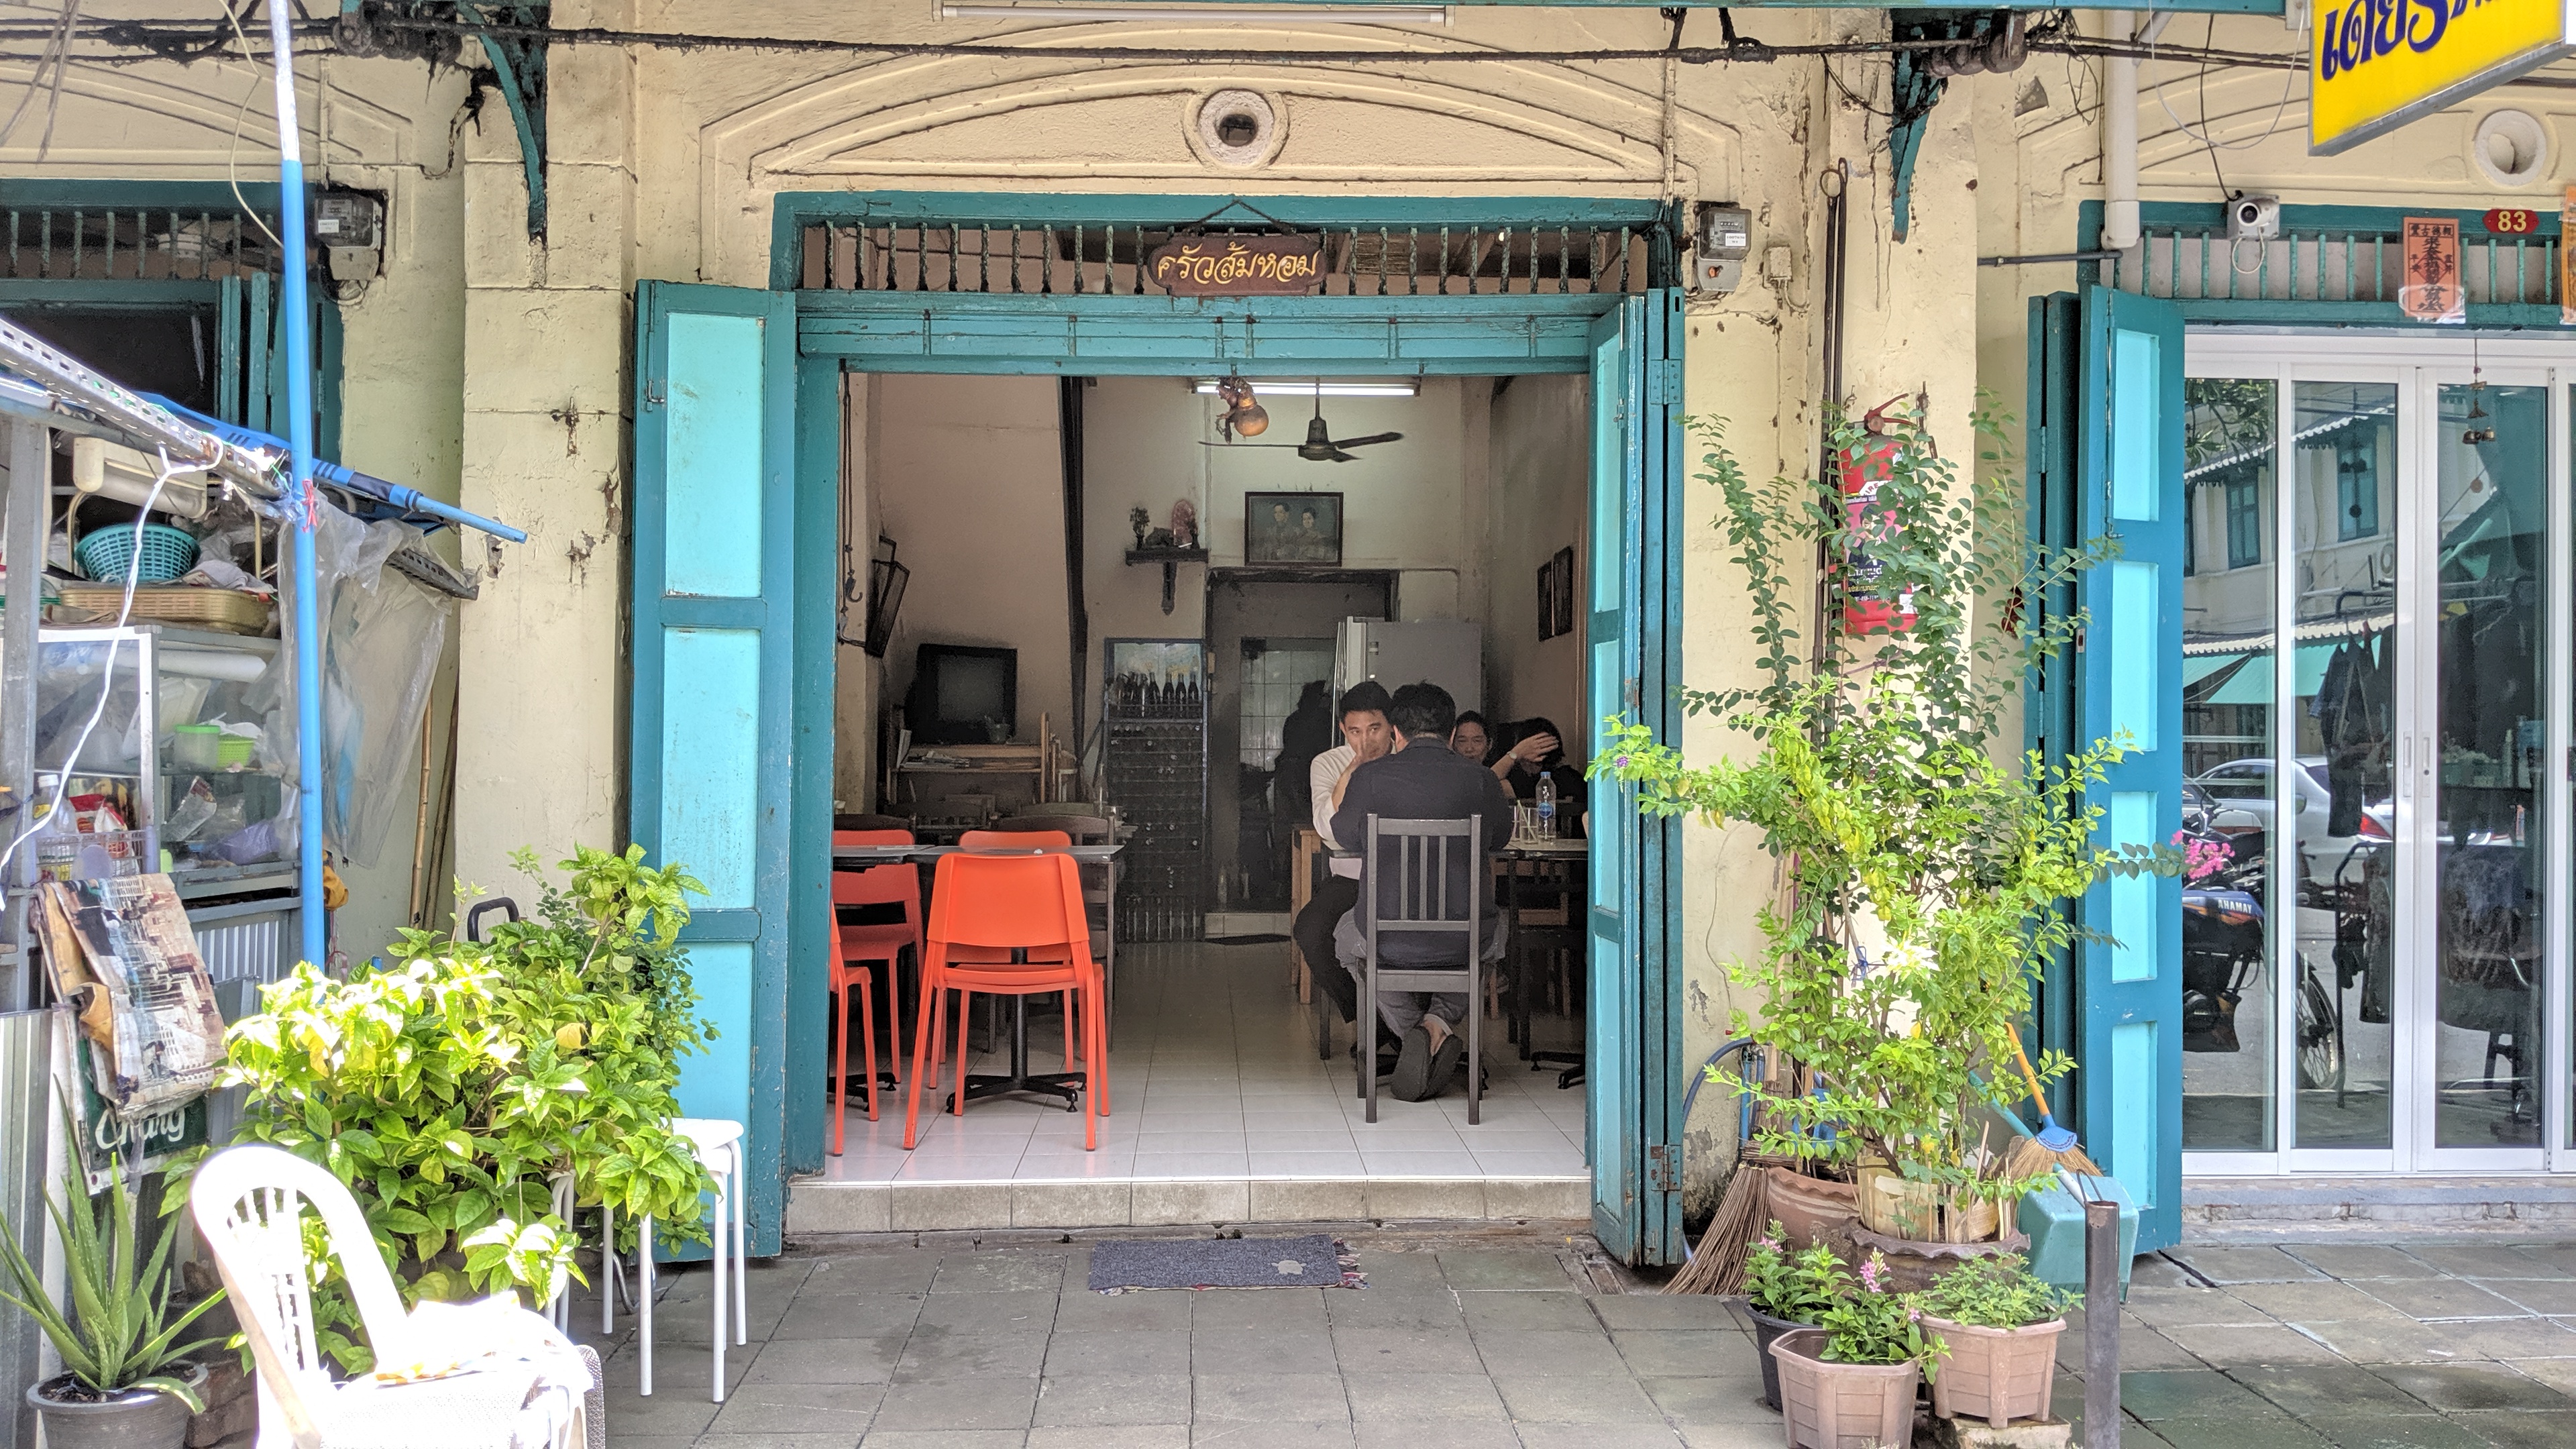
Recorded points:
(1009, 925)
(857, 946)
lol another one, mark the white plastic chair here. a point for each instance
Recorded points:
(718, 1147)
(249, 1204)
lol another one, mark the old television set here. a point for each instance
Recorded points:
(963, 695)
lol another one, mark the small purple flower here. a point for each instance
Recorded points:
(1623, 762)
(1869, 1274)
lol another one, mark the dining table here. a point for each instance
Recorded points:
(1019, 1079)
(1573, 931)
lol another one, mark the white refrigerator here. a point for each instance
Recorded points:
(1447, 652)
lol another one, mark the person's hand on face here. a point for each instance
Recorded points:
(1534, 749)
(1368, 735)
(1470, 741)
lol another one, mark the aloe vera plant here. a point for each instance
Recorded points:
(119, 1336)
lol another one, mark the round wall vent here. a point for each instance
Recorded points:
(2511, 147)
(1238, 128)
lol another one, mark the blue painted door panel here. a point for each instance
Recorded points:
(2128, 676)
(1632, 1038)
(710, 713)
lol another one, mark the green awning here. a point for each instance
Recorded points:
(2252, 681)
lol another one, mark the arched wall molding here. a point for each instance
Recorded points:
(178, 122)
(940, 124)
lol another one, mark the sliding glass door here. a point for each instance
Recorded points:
(2376, 578)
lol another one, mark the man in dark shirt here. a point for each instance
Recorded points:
(1423, 780)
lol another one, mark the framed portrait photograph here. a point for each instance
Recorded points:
(1297, 530)
(1562, 607)
(1547, 601)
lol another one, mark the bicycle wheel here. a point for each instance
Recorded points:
(2321, 1059)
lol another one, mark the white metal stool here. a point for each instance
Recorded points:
(718, 1147)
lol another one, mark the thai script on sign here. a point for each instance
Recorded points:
(2377, 64)
(2368, 29)
(1237, 266)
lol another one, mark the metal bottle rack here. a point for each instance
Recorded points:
(1157, 768)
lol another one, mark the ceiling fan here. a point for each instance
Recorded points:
(1246, 417)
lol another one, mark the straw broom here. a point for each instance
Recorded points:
(1717, 1266)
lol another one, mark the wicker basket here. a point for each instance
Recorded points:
(229, 611)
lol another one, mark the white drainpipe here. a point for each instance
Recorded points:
(2120, 143)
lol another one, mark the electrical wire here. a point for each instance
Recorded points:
(232, 154)
(107, 676)
(57, 35)
(2289, 88)
(166, 38)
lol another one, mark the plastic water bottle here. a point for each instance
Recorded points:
(1547, 804)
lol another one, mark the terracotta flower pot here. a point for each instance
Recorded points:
(1994, 1374)
(1808, 1207)
(1842, 1405)
(1767, 1331)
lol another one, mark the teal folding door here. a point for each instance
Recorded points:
(1632, 1037)
(2128, 681)
(711, 721)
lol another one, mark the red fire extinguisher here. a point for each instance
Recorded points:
(1863, 467)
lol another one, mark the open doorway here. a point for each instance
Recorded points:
(1040, 665)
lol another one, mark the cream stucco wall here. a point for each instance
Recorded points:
(491, 368)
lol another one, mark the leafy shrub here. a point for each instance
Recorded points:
(1868, 1323)
(449, 1086)
(1796, 1287)
(1996, 1292)
(1880, 780)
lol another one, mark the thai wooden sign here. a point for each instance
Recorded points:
(1237, 266)
(2431, 289)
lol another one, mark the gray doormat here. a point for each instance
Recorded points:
(1313, 1261)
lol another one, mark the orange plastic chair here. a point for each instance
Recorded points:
(1012, 840)
(856, 946)
(985, 909)
(1008, 839)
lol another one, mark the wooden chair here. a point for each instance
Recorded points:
(1413, 856)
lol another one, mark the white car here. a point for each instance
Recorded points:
(2240, 794)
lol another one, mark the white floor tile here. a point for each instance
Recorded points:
(1213, 1075)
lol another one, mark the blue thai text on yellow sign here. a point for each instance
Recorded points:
(2377, 63)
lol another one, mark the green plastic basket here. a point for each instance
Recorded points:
(167, 553)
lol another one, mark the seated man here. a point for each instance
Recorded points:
(1424, 780)
(1365, 736)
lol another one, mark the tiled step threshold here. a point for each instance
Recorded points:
(819, 1206)
(2269, 1209)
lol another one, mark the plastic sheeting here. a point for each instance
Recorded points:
(382, 637)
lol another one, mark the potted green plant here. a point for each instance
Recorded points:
(1924, 876)
(1786, 1291)
(126, 1381)
(452, 1083)
(1998, 1327)
(1851, 1379)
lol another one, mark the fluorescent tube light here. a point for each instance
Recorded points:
(1300, 15)
(1394, 387)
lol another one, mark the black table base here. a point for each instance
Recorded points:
(1020, 1080)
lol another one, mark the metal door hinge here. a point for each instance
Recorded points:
(1663, 381)
(1663, 1167)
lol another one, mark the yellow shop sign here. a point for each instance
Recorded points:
(2379, 64)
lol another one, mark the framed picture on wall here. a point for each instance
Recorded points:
(1561, 605)
(1547, 601)
(1294, 529)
